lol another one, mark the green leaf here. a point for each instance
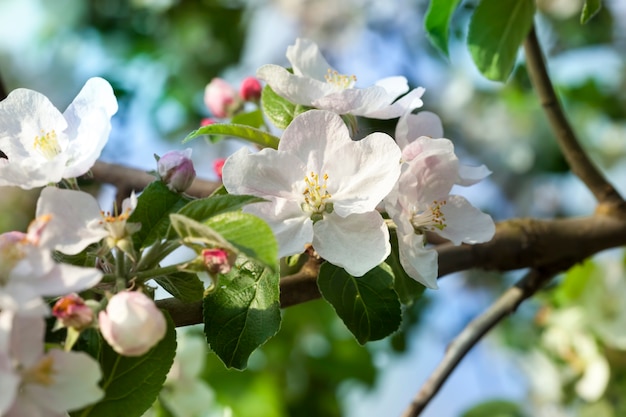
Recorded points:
(590, 9)
(368, 305)
(253, 119)
(495, 408)
(575, 281)
(204, 208)
(243, 313)
(280, 111)
(154, 205)
(185, 286)
(131, 384)
(248, 133)
(249, 234)
(496, 31)
(195, 233)
(407, 288)
(437, 22)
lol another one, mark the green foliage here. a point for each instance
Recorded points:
(131, 384)
(280, 111)
(243, 312)
(202, 209)
(185, 286)
(590, 9)
(154, 206)
(574, 283)
(437, 22)
(495, 408)
(368, 305)
(496, 31)
(248, 133)
(253, 119)
(249, 234)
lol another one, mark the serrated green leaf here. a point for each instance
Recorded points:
(590, 9)
(195, 233)
(407, 288)
(280, 111)
(368, 305)
(437, 22)
(248, 133)
(202, 209)
(496, 31)
(154, 205)
(243, 312)
(253, 119)
(249, 234)
(131, 384)
(185, 286)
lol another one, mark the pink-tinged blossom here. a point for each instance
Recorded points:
(43, 145)
(221, 98)
(28, 272)
(315, 83)
(421, 202)
(322, 188)
(218, 166)
(132, 324)
(217, 261)
(206, 121)
(71, 311)
(176, 169)
(250, 89)
(36, 383)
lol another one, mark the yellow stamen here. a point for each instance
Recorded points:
(47, 144)
(316, 197)
(340, 80)
(41, 373)
(430, 219)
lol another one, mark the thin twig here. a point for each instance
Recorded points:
(576, 157)
(472, 333)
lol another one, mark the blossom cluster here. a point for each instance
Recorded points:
(325, 189)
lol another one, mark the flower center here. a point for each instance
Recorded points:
(340, 80)
(11, 252)
(48, 144)
(316, 197)
(430, 219)
(115, 224)
(41, 373)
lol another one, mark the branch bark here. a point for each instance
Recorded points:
(576, 157)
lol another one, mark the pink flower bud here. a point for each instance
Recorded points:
(176, 170)
(132, 324)
(218, 165)
(250, 89)
(206, 121)
(221, 98)
(72, 311)
(216, 260)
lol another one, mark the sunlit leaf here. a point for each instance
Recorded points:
(437, 22)
(495, 408)
(280, 111)
(496, 31)
(242, 313)
(368, 305)
(253, 118)
(590, 9)
(248, 133)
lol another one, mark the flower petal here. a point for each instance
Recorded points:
(465, 223)
(296, 89)
(89, 125)
(412, 126)
(307, 60)
(356, 243)
(418, 262)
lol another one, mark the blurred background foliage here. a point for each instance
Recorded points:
(160, 54)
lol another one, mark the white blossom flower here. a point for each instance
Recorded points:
(42, 145)
(421, 202)
(322, 188)
(28, 271)
(315, 83)
(35, 383)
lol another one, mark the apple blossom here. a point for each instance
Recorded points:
(250, 89)
(315, 83)
(176, 169)
(28, 272)
(322, 188)
(221, 98)
(71, 311)
(217, 260)
(421, 202)
(37, 383)
(132, 324)
(218, 166)
(43, 146)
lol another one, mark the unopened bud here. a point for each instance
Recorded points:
(72, 311)
(176, 170)
(218, 165)
(206, 121)
(217, 261)
(132, 324)
(250, 89)
(221, 98)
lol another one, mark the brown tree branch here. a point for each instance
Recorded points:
(576, 157)
(473, 332)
